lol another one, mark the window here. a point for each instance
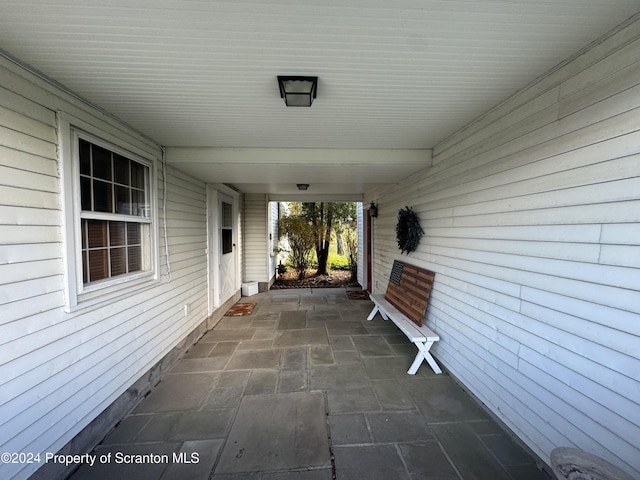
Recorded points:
(110, 245)
(112, 185)
(226, 226)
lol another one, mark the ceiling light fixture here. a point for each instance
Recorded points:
(302, 186)
(298, 91)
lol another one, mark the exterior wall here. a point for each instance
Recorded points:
(362, 265)
(532, 221)
(256, 260)
(59, 370)
(260, 223)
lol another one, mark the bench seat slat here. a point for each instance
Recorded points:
(410, 329)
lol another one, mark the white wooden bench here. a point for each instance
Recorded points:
(405, 303)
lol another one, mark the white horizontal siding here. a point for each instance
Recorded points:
(362, 266)
(58, 371)
(256, 238)
(532, 221)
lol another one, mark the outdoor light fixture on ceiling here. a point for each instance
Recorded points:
(298, 91)
(302, 186)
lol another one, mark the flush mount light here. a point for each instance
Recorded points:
(302, 186)
(298, 91)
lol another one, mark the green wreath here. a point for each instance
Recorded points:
(408, 230)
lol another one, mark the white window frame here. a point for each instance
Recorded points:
(77, 294)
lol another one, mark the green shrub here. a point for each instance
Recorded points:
(301, 240)
(338, 262)
(335, 262)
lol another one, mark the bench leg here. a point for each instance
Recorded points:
(423, 354)
(375, 310)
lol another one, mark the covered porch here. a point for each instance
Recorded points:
(306, 388)
(511, 128)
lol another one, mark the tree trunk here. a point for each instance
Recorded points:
(323, 258)
(301, 272)
(339, 243)
(323, 252)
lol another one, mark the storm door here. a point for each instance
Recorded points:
(227, 245)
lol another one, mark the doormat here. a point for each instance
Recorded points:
(358, 294)
(241, 309)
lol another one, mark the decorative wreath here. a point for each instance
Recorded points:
(408, 230)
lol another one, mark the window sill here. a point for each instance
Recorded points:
(100, 296)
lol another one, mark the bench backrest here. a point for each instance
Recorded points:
(409, 290)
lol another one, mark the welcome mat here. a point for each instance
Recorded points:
(241, 309)
(358, 294)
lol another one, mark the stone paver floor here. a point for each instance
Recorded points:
(306, 388)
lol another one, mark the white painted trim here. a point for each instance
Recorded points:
(311, 197)
(68, 222)
(213, 274)
(224, 198)
(293, 156)
(269, 243)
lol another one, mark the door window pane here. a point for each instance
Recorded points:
(227, 241)
(226, 214)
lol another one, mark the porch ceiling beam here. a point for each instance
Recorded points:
(338, 197)
(310, 156)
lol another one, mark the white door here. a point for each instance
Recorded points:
(227, 246)
(222, 254)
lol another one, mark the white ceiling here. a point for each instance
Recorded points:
(395, 76)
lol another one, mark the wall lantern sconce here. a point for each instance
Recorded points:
(298, 91)
(302, 186)
(373, 210)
